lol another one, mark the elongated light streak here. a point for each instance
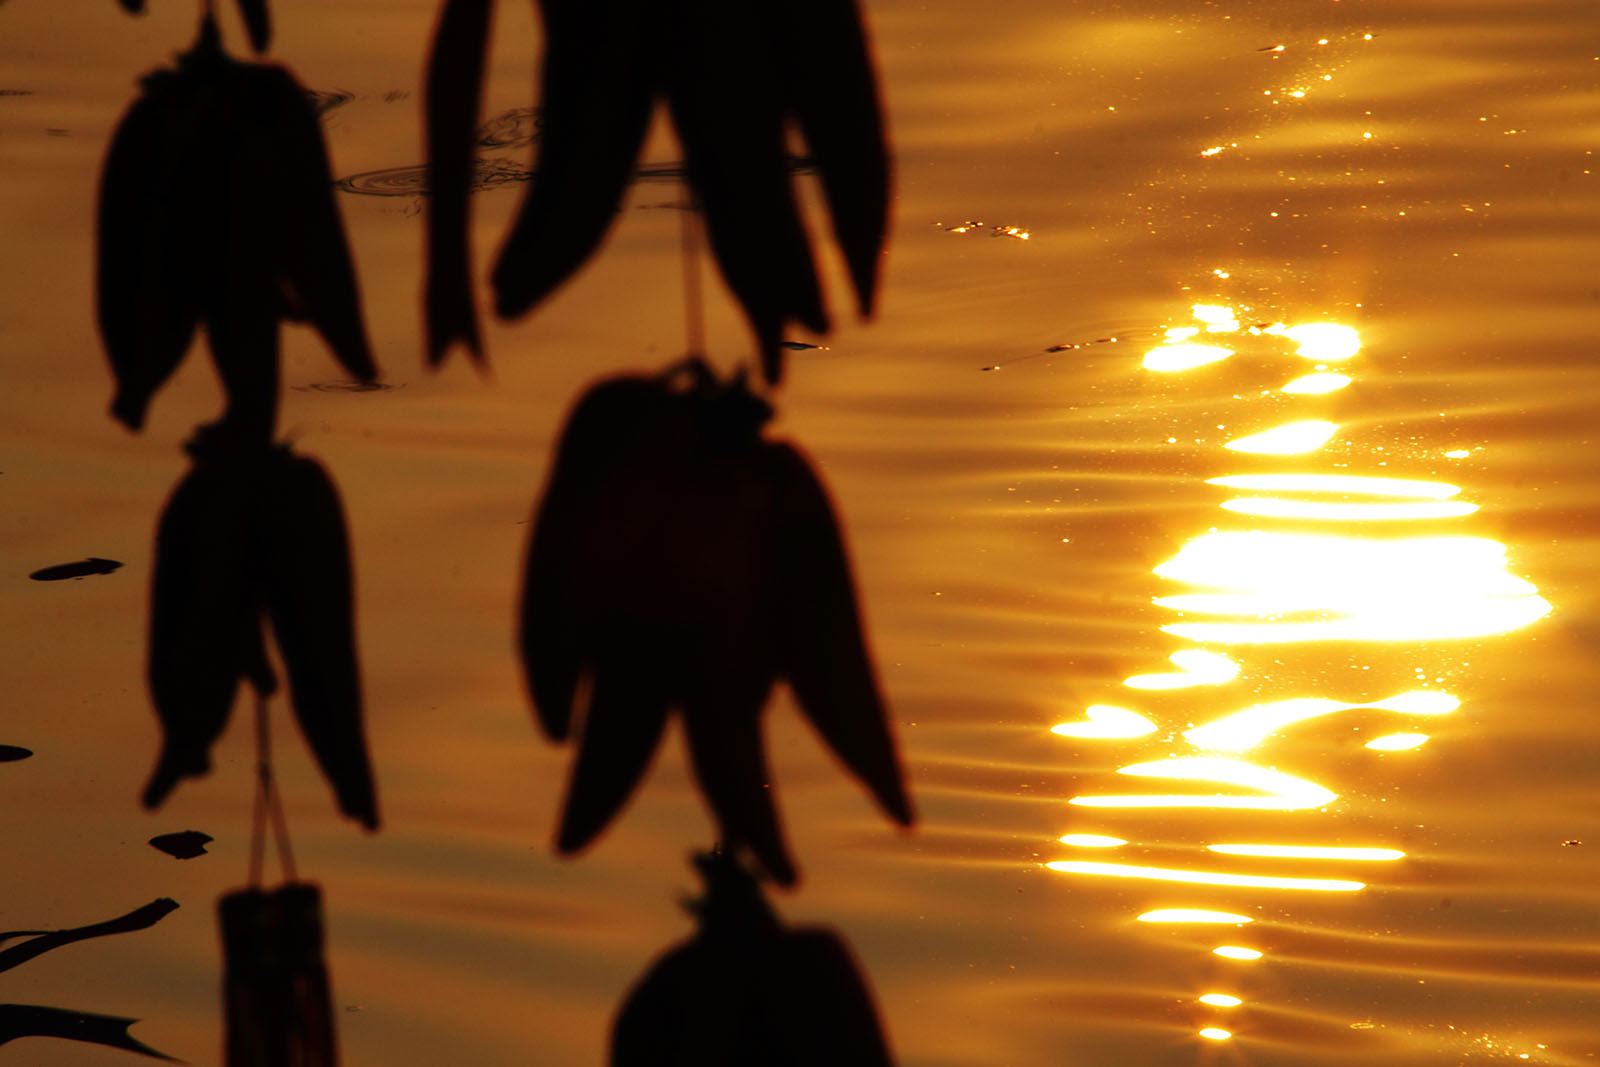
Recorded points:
(1290, 439)
(1105, 721)
(1236, 952)
(1250, 726)
(1168, 874)
(1193, 915)
(1278, 791)
(1348, 484)
(1309, 852)
(1196, 666)
(1342, 511)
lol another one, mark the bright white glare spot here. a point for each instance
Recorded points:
(1178, 357)
(1236, 952)
(1192, 915)
(1166, 874)
(1221, 1000)
(1458, 453)
(1314, 384)
(1106, 721)
(1218, 319)
(1324, 341)
(1195, 667)
(1290, 439)
(1397, 742)
(1215, 1033)
(1279, 791)
(1280, 508)
(1338, 483)
(1362, 589)
(1249, 727)
(1181, 333)
(1092, 841)
(1298, 93)
(1309, 852)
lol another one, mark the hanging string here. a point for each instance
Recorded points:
(693, 305)
(268, 806)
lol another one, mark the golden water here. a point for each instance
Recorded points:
(1135, 619)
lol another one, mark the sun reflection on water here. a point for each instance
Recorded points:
(1370, 569)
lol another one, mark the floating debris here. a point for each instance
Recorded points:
(347, 385)
(82, 568)
(800, 346)
(495, 173)
(1017, 232)
(516, 128)
(326, 100)
(12, 753)
(16, 92)
(183, 845)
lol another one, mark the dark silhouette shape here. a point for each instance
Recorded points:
(734, 75)
(42, 941)
(247, 533)
(746, 990)
(32, 1020)
(79, 569)
(453, 96)
(276, 999)
(217, 207)
(679, 559)
(257, 21)
(9, 753)
(183, 845)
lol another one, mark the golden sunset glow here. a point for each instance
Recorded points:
(1236, 952)
(1309, 852)
(1195, 667)
(1108, 722)
(1346, 484)
(1193, 915)
(1183, 356)
(1316, 384)
(1167, 874)
(1341, 511)
(1275, 789)
(1290, 439)
(1306, 587)
(1244, 729)
(1324, 342)
(1221, 1000)
(1218, 319)
(1397, 742)
(1092, 841)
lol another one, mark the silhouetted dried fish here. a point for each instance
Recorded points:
(733, 75)
(746, 989)
(680, 560)
(275, 985)
(216, 206)
(257, 22)
(32, 1020)
(79, 569)
(43, 941)
(453, 95)
(11, 753)
(242, 535)
(183, 845)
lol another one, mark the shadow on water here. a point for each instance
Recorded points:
(680, 559)
(32, 1020)
(747, 988)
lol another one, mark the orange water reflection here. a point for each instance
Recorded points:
(1345, 578)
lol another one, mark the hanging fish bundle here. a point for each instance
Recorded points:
(240, 540)
(216, 209)
(277, 1007)
(681, 560)
(748, 989)
(735, 76)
